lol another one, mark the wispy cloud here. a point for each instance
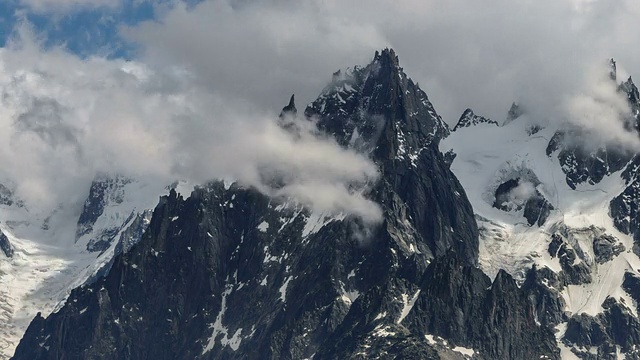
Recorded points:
(198, 101)
(66, 118)
(66, 6)
(463, 53)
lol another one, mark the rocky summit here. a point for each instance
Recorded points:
(482, 252)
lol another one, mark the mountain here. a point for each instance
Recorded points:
(468, 119)
(496, 242)
(579, 256)
(47, 254)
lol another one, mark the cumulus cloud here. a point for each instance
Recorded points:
(200, 97)
(259, 51)
(601, 110)
(521, 193)
(63, 6)
(464, 53)
(64, 119)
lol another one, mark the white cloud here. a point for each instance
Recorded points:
(261, 52)
(200, 98)
(521, 193)
(601, 110)
(64, 119)
(65, 6)
(464, 53)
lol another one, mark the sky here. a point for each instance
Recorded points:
(162, 89)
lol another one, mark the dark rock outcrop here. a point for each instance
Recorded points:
(625, 208)
(586, 160)
(290, 109)
(544, 286)
(573, 272)
(461, 304)
(631, 285)
(5, 245)
(606, 247)
(468, 118)
(537, 209)
(614, 326)
(515, 111)
(583, 163)
(510, 197)
(105, 190)
(6, 196)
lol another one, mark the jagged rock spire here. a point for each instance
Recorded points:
(468, 119)
(5, 245)
(515, 111)
(386, 57)
(612, 69)
(290, 109)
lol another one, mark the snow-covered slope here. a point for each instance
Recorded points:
(49, 259)
(490, 156)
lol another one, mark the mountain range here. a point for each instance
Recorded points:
(499, 239)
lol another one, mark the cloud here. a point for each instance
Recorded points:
(258, 51)
(601, 110)
(463, 53)
(199, 98)
(66, 6)
(64, 119)
(521, 193)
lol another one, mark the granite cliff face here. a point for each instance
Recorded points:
(229, 273)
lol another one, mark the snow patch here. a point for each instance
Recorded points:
(283, 289)
(263, 227)
(219, 329)
(407, 305)
(381, 315)
(487, 157)
(464, 351)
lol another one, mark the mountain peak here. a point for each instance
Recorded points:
(290, 109)
(633, 95)
(612, 69)
(379, 109)
(515, 111)
(468, 119)
(386, 57)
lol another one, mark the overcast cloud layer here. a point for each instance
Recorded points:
(464, 53)
(66, 6)
(199, 100)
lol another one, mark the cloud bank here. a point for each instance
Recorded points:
(66, 6)
(64, 119)
(464, 53)
(198, 101)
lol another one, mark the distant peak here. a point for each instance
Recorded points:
(468, 112)
(386, 58)
(515, 111)
(612, 69)
(468, 119)
(290, 109)
(633, 95)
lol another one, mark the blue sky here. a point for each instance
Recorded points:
(82, 30)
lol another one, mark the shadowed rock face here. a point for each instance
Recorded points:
(625, 208)
(231, 274)
(615, 326)
(591, 163)
(468, 119)
(5, 245)
(104, 190)
(536, 208)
